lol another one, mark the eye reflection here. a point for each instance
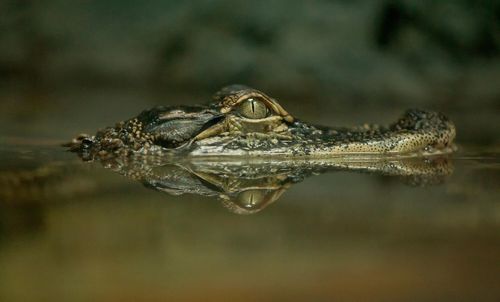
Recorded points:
(253, 109)
(250, 199)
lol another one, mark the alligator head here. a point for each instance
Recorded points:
(242, 121)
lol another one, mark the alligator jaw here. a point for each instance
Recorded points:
(417, 133)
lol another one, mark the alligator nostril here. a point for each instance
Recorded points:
(86, 142)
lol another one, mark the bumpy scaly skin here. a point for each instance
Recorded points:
(122, 140)
(218, 130)
(416, 132)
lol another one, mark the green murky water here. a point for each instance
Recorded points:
(75, 231)
(423, 230)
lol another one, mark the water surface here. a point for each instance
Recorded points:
(76, 231)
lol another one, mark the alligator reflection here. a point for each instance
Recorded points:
(249, 185)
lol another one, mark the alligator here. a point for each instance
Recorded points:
(245, 149)
(242, 121)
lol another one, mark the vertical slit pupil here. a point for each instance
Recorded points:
(254, 109)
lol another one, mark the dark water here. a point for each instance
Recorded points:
(75, 231)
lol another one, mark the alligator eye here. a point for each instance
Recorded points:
(254, 109)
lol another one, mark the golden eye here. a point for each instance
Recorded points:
(254, 109)
(250, 199)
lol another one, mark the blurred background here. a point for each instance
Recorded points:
(78, 232)
(68, 67)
